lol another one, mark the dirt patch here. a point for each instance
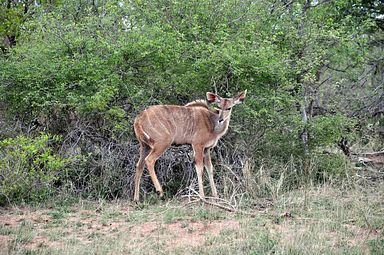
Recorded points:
(291, 233)
(4, 240)
(50, 228)
(145, 229)
(42, 241)
(9, 220)
(40, 223)
(4, 243)
(194, 234)
(183, 233)
(361, 235)
(13, 218)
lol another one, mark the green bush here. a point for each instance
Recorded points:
(329, 168)
(29, 168)
(85, 69)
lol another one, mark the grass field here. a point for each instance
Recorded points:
(317, 220)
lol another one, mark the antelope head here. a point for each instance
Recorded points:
(225, 105)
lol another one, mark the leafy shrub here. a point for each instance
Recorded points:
(327, 130)
(84, 69)
(328, 168)
(28, 168)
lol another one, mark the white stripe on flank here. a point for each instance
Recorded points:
(162, 124)
(146, 135)
(151, 125)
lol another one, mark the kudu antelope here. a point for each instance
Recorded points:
(160, 126)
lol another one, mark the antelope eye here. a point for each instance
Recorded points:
(228, 109)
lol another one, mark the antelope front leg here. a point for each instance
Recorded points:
(199, 165)
(209, 167)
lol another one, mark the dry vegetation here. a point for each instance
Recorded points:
(75, 74)
(321, 220)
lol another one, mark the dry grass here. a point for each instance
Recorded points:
(322, 220)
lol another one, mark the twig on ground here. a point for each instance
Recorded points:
(227, 207)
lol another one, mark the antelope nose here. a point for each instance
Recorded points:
(221, 120)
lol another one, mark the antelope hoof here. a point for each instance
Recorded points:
(161, 194)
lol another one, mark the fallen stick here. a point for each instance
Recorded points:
(197, 197)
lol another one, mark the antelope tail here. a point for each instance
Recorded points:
(142, 134)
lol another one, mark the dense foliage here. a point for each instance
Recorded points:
(84, 69)
(29, 167)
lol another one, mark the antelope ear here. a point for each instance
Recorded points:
(213, 98)
(240, 97)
